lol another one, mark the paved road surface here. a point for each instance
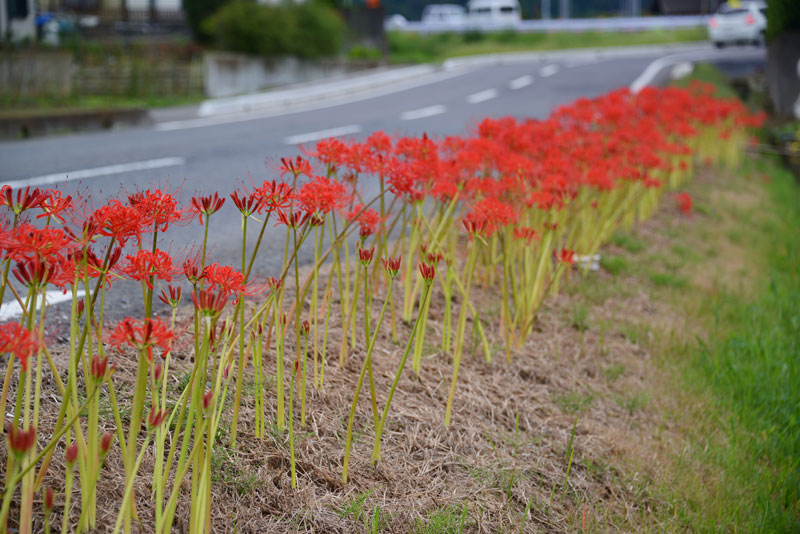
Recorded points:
(219, 153)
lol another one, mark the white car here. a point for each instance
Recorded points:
(487, 14)
(738, 23)
(444, 15)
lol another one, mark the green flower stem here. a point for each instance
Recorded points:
(280, 330)
(67, 499)
(314, 298)
(462, 323)
(376, 448)
(367, 362)
(127, 498)
(291, 433)
(370, 378)
(240, 365)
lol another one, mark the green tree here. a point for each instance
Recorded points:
(782, 16)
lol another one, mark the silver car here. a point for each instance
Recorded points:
(738, 23)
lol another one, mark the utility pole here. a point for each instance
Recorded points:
(564, 9)
(545, 9)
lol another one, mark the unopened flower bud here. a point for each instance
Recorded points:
(48, 499)
(106, 440)
(207, 398)
(71, 455)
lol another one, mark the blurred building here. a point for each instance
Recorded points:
(17, 19)
(111, 11)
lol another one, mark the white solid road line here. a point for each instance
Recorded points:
(421, 113)
(548, 70)
(68, 176)
(310, 137)
(12, 309)
(652, 70)
(522, 81)
(482, 96)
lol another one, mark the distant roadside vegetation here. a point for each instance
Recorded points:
(306, 30)
(419, 48)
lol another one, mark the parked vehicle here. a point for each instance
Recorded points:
(494, 12)
(444, 14)
(738, 23)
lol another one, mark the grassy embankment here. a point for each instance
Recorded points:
(729, 349)
(417, 48)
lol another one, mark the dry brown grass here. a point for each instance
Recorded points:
(507, 445)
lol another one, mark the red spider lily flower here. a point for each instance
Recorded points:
(684, 202)
(368, 220)
(18, 341)
(208, 303)
(565, 256)
(71, 454)
(305, 328)
(392, 266)
(427, 272)
(321, 195)
(173, 298)
(191, 269)
(157, 209)
(143, 335)
(118, 221)
(49, 495)
(207, 205)
(473, 226)
(144, 266)
(293, 219)
(20, 441)
(365, 255)
(55, 205)
(274, 283)
(228, 280)
(223, 278)
(34, 273)
(331, 152)
(525, 233)
(156, 417)
(48, 244)
(295, 167)
(434, 258)
(26, 198)
(247, 204)
(275, 196)
(492, 214)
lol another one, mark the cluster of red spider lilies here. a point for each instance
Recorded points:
(515, 206)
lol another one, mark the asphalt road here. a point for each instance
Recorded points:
(219, 156)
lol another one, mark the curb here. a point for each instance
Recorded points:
(22, 125)
(316, 92)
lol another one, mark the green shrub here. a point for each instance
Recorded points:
(307, 30)
(363, 52)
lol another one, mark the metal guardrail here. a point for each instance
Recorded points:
(553, 25)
